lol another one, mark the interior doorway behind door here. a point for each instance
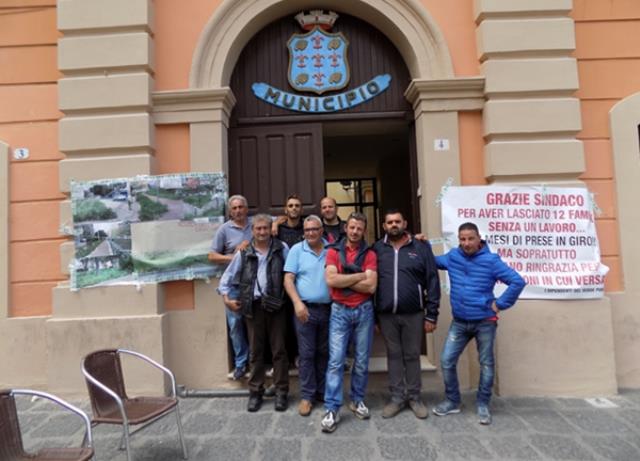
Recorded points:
(367, 169)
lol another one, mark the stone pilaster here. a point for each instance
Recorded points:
(106, 57)
(531, 116)
(106, 60)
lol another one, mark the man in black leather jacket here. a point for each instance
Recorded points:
(256, 275)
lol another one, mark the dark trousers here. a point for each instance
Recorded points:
(268, 328)
(291, 341)
(313, 351)
(403, 337)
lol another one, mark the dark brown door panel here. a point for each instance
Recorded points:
(269, 162)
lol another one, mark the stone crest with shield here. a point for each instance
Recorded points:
(318, 58)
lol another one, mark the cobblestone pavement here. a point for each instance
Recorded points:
(222, 429)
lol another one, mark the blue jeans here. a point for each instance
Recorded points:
(313, 350)
(460, 333)
(345, 323)
(238, 336)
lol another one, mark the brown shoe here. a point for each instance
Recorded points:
(392, 408)
(419, 409)
(304, 407)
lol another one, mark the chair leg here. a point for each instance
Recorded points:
(121, 445)
(185, 455)
(126, 440)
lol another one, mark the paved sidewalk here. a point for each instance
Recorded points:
(222, 429)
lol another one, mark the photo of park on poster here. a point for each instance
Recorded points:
(547, 234)
(145, 229)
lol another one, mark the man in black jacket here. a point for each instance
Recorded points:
(253, 285)
(407, 302)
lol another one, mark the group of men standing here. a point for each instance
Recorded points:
(330, 276)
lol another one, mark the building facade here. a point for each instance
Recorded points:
(528, 92)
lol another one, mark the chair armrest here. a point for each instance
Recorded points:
(107, 391)
(64, 404)
(155, 364)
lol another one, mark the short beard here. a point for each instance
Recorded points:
(395, 237)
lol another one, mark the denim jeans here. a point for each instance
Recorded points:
(345, 323)
(313, 350)
(238, 336)
(460, 333)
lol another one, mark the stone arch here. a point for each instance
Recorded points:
(407, 24)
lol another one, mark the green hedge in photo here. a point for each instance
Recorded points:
(197, 201)
(170, 194)
(149, 209)
(88, 278)
(92, 210)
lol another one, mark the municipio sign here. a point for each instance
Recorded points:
(318, 64)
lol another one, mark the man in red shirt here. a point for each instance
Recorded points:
(351, 275)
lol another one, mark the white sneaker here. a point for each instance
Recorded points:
(360, 410)
(330, 421)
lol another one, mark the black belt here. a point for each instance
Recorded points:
(487, 319)
(327, 305)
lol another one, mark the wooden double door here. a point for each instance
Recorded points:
(269, 162)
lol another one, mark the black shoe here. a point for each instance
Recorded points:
(255, 402)
(282, 402)
(239, 373)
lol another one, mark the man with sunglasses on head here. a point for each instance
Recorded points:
(351, 273)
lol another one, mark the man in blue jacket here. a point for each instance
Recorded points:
(407, 304)
(473, 273)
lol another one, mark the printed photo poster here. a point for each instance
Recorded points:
(145, 229)
(547, 234)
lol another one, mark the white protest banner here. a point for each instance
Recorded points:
(547, 234)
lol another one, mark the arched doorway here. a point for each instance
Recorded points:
(359, 155)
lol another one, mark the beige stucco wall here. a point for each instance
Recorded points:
(543, 349)
(69, 340)
(24, 353)
(624, 121)
(197, 341)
